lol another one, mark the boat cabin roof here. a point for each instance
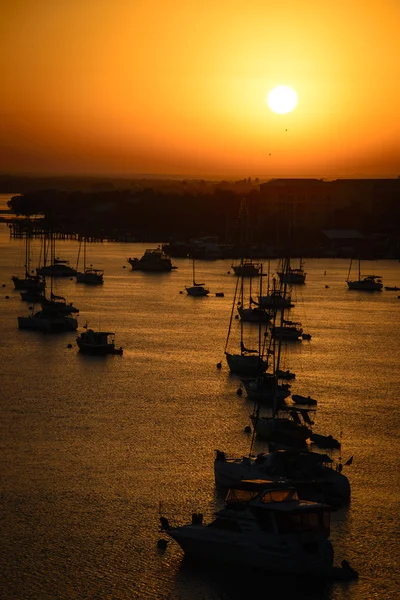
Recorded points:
(267, 492)
(92, 332)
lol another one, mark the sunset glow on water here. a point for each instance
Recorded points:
(91, 448)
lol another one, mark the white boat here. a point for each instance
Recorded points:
(265, 526)
(153, 260)
(367, 283)
(89, 275)
(196, 289)
(97, 343)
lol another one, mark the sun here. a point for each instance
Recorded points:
(282, 99)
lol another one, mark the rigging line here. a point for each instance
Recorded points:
(256, 413)
(231, 318)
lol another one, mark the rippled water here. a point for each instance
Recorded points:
(92, 449)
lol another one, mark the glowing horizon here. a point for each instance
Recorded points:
(134, 88)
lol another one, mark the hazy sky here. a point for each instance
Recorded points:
(178, 87)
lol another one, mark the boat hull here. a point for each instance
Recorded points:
(48, 324)
(272, 553)
(266, 390)
(366, 286)
(98, 350)
(321, 484)
(245, 364)
(28, 283)
(56, 271)
(282, 431)
(89, 278)
(197, 291)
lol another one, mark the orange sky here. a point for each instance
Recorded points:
(179, 87)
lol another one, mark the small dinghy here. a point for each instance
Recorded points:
(298, 399)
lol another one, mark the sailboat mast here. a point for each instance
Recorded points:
(286, 264)
(27, 252)
(348, 274)
(241, 320)
(232, 311)
(79, 254)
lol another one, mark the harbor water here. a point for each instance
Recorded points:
(93, 449)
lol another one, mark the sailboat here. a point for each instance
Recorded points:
(247, 268)
(247, 361)
(277, 428)
(293, 275)
(197, 289)
(253, 313)
(368, 283)
(30, 282)
(54, 316)
(89, 274)
(265, 388)
(273, 298)
(57, 266)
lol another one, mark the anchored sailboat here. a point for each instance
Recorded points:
(247, 361)
(89, 274)
(197, 289)
(30, 282)
(368, 283)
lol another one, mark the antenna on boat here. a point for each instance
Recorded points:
(339, 467)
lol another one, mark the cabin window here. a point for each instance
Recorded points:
(313, 520)
(240, 496)
(279, 496)
(225, 525)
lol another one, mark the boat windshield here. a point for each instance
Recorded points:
(310, 520)
(279, 496)
(240, 496)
